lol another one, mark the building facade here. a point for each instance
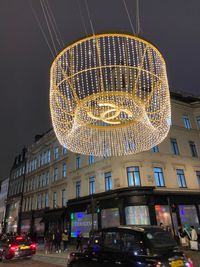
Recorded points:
(160, 185)
(3, 199)
(15, 194)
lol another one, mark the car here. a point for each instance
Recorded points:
(131, 246)
(16, 247)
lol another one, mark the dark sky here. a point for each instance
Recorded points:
(172, 25)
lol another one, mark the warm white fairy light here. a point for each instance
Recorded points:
(109, 95)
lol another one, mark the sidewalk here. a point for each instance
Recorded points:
(56, 258)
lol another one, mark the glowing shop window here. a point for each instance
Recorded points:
(163, 215)
(137, 215)
(110, 217)
(82, 222)
(188, 215)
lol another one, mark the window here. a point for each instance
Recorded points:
(155, 149)
(198, 177)
(174, 145)
(47, 178)
(39, 181)
(46, 200)
(55, 175)
(198, 122)
(193, 149)
(63, 198)
(43, 180)
(108, 181)
(186, 122)
(181, 178)
(48, 155)
(112, 241)
(56, 152)
(78, 161)
(38, 201)
(133, 175)
(91, 159)
(54, 200)
(78, 188)
(64, 170)
(159, 177)
(64, 150)
(91, 185)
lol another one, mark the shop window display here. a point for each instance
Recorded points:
(110, 217)
(82, 222)
(137, 215)
(188, 215)
(163, 215)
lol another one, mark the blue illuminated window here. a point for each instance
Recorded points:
(159, 177)
(63, 198)
(54, 199)
(91, 185)
(181, 178)
(193, 149)
(78, 161)
(155, 149)
(55, 175)
(78, 188)
(133, 175)
(108, 181)
(46, 201)
(64, 170)
(186, 122)
(198, 122)
(91, 159)
(198, 177)
(48, 155)
(174, 146)
(56, 152)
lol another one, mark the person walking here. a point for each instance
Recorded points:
(193, 239)
(58, 241)
(79, 242)
(65, 239)
(47, 244)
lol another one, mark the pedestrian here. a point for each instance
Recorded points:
(47, 242)
(79, 242)
(58, 241)
(193, 239)
(53, 241)
(65, 239)
(183, 238)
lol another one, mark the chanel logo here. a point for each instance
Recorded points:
(110, 113)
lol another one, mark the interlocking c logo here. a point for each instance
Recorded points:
(113, 109)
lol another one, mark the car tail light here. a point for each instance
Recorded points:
(13, 248)
(33, 246)
(18, 238)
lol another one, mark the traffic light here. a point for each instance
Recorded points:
(97, 208)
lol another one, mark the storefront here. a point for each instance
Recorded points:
(110, 217)
(137, 215)
(13, 217)
(81, 222)
(26, 225)
(136, 206)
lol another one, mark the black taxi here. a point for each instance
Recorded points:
(130, 246)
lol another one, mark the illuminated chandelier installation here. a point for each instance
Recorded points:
(109, 96)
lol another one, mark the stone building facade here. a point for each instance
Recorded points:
(160, 185)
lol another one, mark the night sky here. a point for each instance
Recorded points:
(172, 25)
